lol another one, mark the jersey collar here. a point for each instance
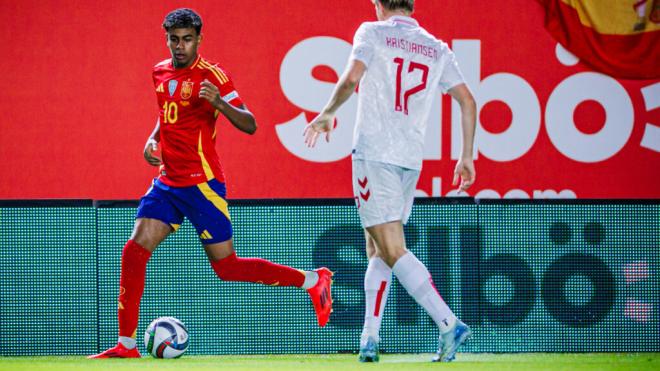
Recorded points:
(196, 62)
(407, 21)
(193, 65)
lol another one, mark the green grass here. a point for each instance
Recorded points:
(314, 362)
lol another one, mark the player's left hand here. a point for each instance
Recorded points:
(211, 93)
(151, 153)
(464, 170)
(323, 123)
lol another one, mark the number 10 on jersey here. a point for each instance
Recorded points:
(170, 112)
(412, 66)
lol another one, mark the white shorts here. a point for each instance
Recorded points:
(383, 192)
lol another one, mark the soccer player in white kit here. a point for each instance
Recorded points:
(399, 66)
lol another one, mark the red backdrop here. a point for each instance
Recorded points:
(77, 101)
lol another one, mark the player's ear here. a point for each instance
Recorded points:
(200, 38)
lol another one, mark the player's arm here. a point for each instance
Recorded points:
(345, 87)
(465, 166)
(240, 117)
(151, 146)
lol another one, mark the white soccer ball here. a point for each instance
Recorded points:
(166, 337)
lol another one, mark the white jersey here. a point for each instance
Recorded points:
(405, 66)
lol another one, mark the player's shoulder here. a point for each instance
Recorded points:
(367, 27)
(376, 25)
(431, 37)
(439, 43)
(371, 24)
(164, 64)
(207, 64)
(443, 47)
(213, 68)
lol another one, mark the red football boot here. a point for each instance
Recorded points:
(321, 296)
(119, 351)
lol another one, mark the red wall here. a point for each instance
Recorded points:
(77, 101)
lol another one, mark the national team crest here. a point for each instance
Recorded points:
(171, 86)
(187, 89)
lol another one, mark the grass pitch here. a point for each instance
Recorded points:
(343, 362)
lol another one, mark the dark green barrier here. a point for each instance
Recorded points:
(527, 276)
(48, 280)
(585, 278)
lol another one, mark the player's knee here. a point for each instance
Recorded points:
(149, 233)
(389, 260)
(224, 268)
(390, 256)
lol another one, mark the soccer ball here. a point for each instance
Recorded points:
(166, 337)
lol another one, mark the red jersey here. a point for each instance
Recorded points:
(187, 122)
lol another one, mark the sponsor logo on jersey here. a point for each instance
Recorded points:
(160, 88)
(171, 87)
(187, 89)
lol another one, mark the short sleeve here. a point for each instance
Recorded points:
(226, 87)
(451, 74)
(229, 94)
(363, 45)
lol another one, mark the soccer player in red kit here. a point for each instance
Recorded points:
(192, 93)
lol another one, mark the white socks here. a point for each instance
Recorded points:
(416, 279)
(128, 342)
(311, 279)
(377, 282)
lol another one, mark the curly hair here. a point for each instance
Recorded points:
(408, 5)
(183, 18)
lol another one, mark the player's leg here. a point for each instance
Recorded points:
(375, 185)
(416, 279)
(229, 267)
(456, 335)
(148, 233)
(411, 273)
(208, 211)
(377, 282)
(393, 194)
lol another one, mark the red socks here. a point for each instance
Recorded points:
(134, 260)
(233, 268)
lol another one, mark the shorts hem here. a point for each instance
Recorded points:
(173, 225)
(381, 221)
(216, 240)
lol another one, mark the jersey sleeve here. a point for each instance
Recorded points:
(225, 85)
(451, 74)
(157, 86)
(363, 45)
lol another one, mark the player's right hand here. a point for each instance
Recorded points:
(150, 150)
(323, 123)
(465, 172)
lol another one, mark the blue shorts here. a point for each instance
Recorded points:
(203, 204)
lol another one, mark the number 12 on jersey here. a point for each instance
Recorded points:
(412, 66)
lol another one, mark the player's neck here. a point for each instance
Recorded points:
(389, 14)
(181, 66)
